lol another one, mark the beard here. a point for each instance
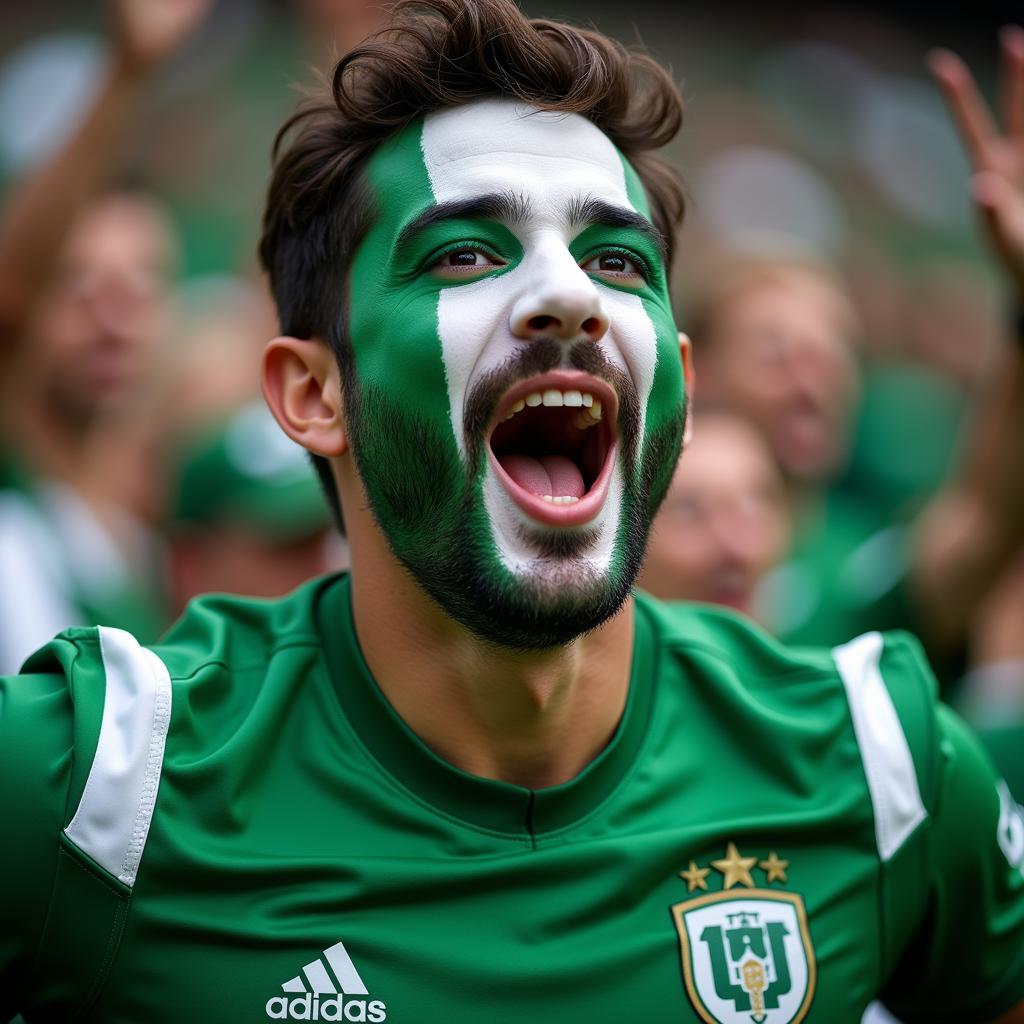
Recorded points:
(429, 505)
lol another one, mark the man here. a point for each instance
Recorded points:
(72, 549)
(85, 272)
(774, 342)
(725, 522)
(473, 779)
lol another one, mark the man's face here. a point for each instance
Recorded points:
(725, 521)
(785, 360)
(103, 312)
(518, 403)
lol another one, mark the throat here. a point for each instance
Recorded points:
(533, 719)
(540, 726)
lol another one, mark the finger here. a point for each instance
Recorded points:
(1002, 212)
(970, 112)
(988, 189)
(1012, 39)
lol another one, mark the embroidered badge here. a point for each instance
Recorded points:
(746, 951)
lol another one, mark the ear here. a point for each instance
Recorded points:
(686, 354)
(302, 386)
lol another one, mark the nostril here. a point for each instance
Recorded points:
(541, 323)
(593, 327)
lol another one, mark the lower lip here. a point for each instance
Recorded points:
(578, 513)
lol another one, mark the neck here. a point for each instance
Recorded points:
(535, 719)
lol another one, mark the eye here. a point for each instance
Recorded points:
(616, 266)
(464, 261)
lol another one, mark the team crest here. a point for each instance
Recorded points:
(747, 956)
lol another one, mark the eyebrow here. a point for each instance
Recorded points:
(508, 207)
(511, 207)
(596, 211)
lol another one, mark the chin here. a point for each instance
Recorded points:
(535, 549)
(508, 577)
(553, 606)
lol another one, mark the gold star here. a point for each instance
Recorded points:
(735, 868)
(774, 869)
(695, 877)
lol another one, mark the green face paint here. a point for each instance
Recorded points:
(462, 296)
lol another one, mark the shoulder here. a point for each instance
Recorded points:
(874, 696)
(239, 633)
(35, 728)
(973, 792)
(739, 646)
(120, 701)
(216, 635)
(721, 639)
(963, 951)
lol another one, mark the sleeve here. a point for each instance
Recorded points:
(966, 961)
(36, 729)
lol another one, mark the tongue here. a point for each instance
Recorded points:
(550, 474)
(565, 476)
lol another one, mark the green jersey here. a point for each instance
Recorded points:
(234, 826)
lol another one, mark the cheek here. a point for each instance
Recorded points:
(668, 390)
(394, 338)
(634, 340)
(688, 555)
(475, 339)
(63, 328)
(757, 385)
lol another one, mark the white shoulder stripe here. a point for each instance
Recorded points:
(888, 764)
(113, 817)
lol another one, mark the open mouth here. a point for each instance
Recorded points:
(552, 445)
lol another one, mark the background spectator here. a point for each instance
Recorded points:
(85, 270)
(726, 520)
(246, 513)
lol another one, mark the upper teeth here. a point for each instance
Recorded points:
(572, 398)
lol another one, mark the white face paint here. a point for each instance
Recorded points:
(553, 161)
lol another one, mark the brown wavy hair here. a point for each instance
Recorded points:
(436, 54)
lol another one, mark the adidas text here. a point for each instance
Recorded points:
(309, 1006)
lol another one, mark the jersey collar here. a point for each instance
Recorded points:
(484, 803)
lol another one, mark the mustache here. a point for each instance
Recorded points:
(542, 356)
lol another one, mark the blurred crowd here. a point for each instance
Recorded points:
(851, 463)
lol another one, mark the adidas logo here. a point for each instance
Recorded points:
(323, 994)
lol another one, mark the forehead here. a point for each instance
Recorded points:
(725, 455)
(121, 230)
(550, 158)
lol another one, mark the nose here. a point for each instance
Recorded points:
(816, 370)
(559, 301)
(118, 305)
(735, 534)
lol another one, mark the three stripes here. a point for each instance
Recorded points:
(320, 980)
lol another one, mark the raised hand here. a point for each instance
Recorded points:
(997, 156)
(147, 32)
